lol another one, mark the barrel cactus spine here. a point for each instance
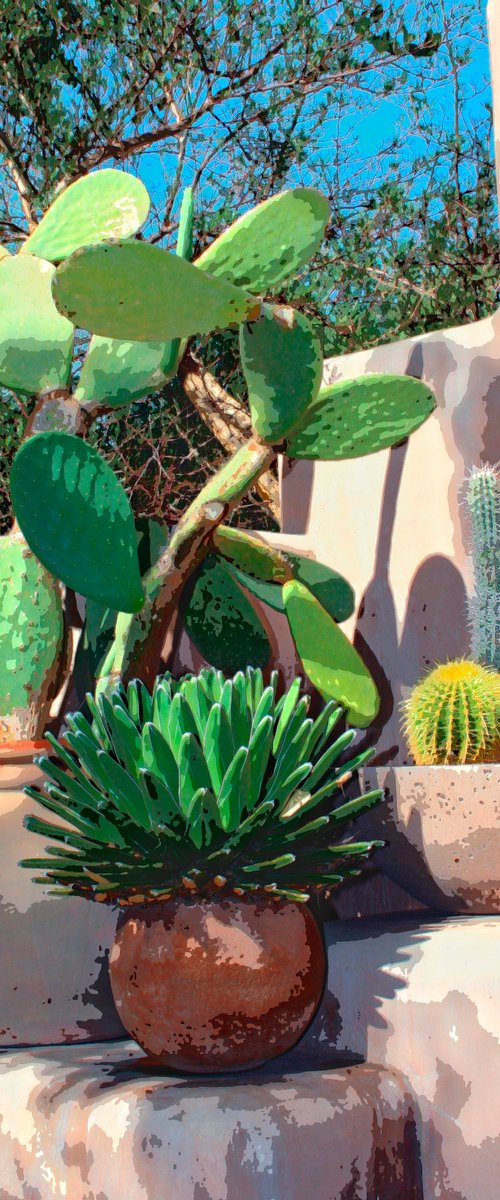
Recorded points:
(453, 715)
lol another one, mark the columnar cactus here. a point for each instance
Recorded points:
(453, 715)
(82, 267)
(483, 500)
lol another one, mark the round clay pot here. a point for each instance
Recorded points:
(442, 828)
(217, 985)
(54, 984)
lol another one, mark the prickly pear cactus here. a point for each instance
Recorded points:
(31, 640)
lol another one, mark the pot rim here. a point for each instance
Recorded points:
(23, 750)
(465, 768)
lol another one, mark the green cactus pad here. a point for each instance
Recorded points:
(116, 372)
(282, 364)
(360, 416)
(222, 623)
(76, 517)
(267, 593)
(271, 242)
(139, 292)
(31, 627)
(328, 657)
(107, 204)
(251, 554)
(36, 342)
(328, 587)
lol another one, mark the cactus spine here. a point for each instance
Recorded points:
(483, 499)
(453, 715)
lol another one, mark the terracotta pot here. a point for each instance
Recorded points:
(442, 826)
(54, 984)
(209, 986)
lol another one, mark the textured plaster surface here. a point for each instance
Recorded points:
(54, 984)
(423, 997)
(85, 1128)
(442, 829)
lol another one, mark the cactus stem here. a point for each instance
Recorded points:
(139, 638)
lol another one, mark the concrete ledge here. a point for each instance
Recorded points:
(94, 1123)
(422, 996)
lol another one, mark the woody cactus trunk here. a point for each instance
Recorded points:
(83, 268)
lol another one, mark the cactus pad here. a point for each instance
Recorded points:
(271, 242)
(36, 342)
(328, 657)
(104, 205)
(282, 364)
(31, 639)
(135, 291)
(222, 623)
(453, 715)
(360, 416)
(116, 372)
(76, 517)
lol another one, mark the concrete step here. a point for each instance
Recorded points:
(422, 995)
(93, 1122)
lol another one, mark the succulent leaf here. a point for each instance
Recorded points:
(194, 812)
(328, 657)
(221, 621)
(36, 342)
(77, 519)
(96, 208)
(271, 242)
(137, 292)
(282, 364)
(352, 418)
(251, 554)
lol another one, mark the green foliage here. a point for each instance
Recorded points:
(328, 657)
(251, 554)
(115, 372)
(97, 208)
(76, 517)
(282, 364)
(208, 784)
(31, 627)
(453, 715)
(221, 621)
(135, 291)
(356, 417)
(270, 243)
(483, 501)
(328, 587)
(36, 342)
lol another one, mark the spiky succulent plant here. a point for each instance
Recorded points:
(208, 784)
(453, 715)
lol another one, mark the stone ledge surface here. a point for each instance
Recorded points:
(95, 1123)
(421, 994)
